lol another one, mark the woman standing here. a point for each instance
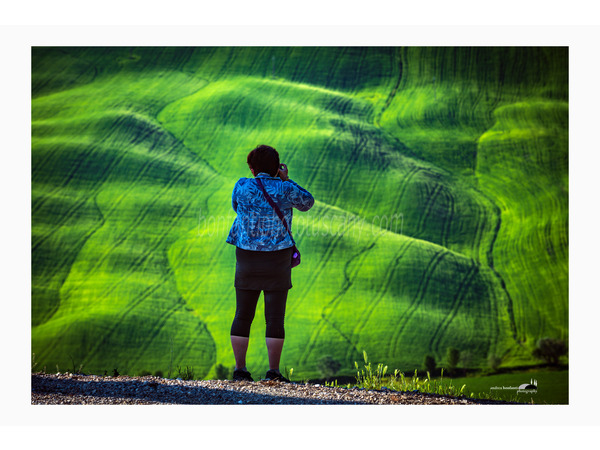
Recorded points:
(263, 254)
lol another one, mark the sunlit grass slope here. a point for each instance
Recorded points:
(408, 249)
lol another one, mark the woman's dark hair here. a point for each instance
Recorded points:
(264, 159)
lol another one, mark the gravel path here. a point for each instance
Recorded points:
(70, 389)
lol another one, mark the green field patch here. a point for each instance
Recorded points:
(441, 217)
(552, 386)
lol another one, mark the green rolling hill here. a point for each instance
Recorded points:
(441, 217)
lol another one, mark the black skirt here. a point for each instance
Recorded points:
(269, 271)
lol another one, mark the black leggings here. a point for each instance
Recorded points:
(246, 301)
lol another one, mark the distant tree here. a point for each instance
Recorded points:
(429, 364)
(222, 372)
(466, 358)
(550, 350)
(328, 366)
(452, 358)
(494, 361)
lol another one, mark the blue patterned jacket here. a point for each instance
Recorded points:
(257, 225)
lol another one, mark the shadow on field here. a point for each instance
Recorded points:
(78, 390)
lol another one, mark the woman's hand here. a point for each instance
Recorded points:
(283, 172)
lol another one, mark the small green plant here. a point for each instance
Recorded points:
(115, 373)
(145, 373)
(333, 383)
(399, 382)
(158, 373)
(288, 373)
(370, 378)
(185, 374)
(33, 363)
(73, 367)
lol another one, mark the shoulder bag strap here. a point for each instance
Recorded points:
(275, 207)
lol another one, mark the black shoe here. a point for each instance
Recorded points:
(241, 375)
(274, 375)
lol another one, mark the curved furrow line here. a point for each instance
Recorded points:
(306, 287)
(74, 207)
(217, 131)
(339, 104)
(272, 100)
(64, 261)
(138, 219)
(394, 90)
(75, 168)
(323, 155)
(360, 62)
(201, 328)
(404, 185)
(132, 226)
(333, 68)
(121, 121)
(102, 341)
(259, 62)
(145, 168)
(160, 323)
(150, 162)
(494, 308)
(388, 278)
(208, 268)
(90, 65)
(333, 303)
(359, 143)
(307, 69)
(295, 147)
(475, 103)
(462, 290)
(428, 206)
(228, 62)
(490, 262)
(479, 231)
(378, 177)
(37, 168)
(145, 293)
(417, 300)
(196, 63)
(295, 78)
(214, 256)
(197, 118)
(274, 65)
(305, 99)
(448, 218)
(165, 316)
(52, 146)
